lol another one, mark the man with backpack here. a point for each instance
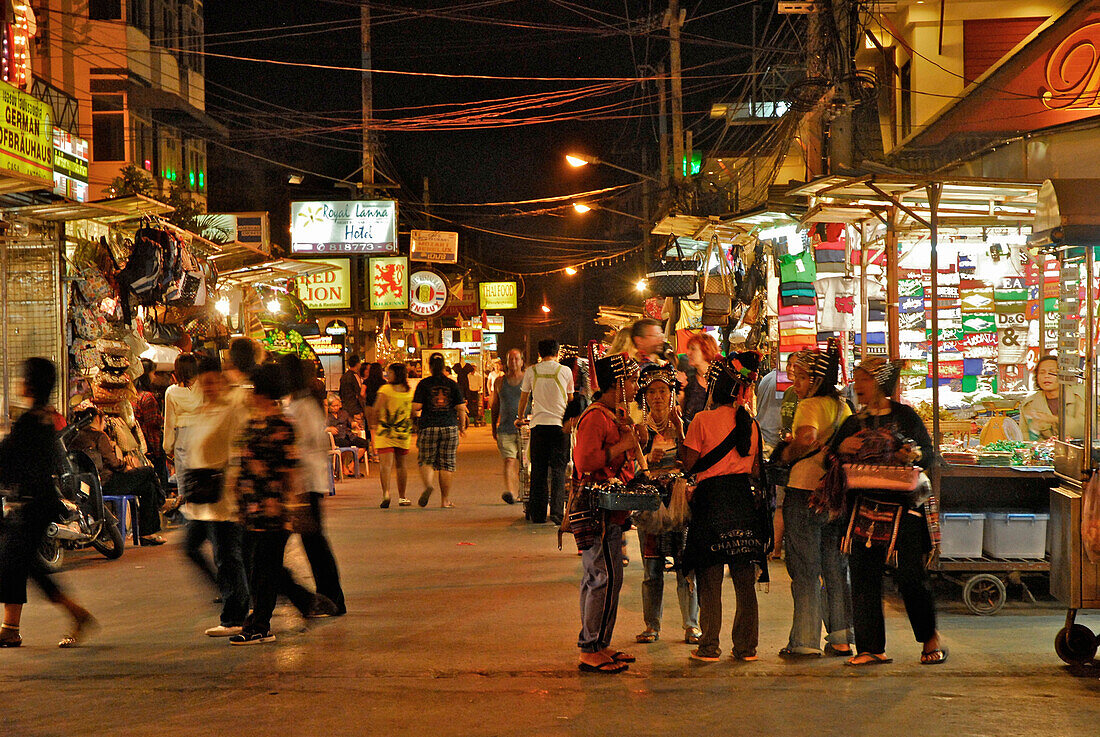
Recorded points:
(548, 386)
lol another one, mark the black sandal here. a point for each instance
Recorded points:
(610, 667)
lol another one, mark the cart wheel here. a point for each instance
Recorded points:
(984, 594)
(1075, 644)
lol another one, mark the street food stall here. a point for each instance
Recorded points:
(1067, 225)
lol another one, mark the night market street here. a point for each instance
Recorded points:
(463, 622)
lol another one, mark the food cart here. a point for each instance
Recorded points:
(1068, 225)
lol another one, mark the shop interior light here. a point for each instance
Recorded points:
(222, 306)
(581, 207)
(641, 285)
(273, 305)
(400, 342)
(570, 270)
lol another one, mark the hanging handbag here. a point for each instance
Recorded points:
(160, 333)
(674, 277)
(716, 293)
(886, 478)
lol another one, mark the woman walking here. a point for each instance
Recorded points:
(392, 415)
(664, 433)
(889, 434)
(181, 406)
(812, 538)
(269, 480)
(730, 519)
(605, 440)
(28, 461)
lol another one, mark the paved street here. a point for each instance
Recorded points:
(463, 622)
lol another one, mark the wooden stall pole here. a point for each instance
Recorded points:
(934, 191)
(893, 321)
(863, 261)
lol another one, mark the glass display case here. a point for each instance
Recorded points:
(1077, 450)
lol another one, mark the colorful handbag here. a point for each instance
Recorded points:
(886, 478)
(716, 293)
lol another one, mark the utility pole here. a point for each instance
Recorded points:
(662, 117)
(427, 204)
(368, 97)
(675, 19)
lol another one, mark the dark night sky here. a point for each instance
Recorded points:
(472, 166)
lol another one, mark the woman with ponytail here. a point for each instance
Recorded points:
(730, 521)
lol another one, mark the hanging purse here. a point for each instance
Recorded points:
(716, 293)
(674, 277)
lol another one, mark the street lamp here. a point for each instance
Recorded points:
(579, 160)
(570, 271)
(641, 285)
(582, 208)
(546, 309)
(273, 306)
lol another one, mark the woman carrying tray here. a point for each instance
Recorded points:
(605, 438)
(887, 525)
(730, 519)
(663, 433)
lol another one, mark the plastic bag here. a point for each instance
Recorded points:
(1090, 518)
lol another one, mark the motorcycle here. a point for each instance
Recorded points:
(88, 521)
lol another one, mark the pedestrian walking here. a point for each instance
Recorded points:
(28, 461)
(374, 380)
(888, 433)
(812, 538)
(504, 411)
(150, 418)
(548, 387)
(442, 410)
(308, 418)
(351, 389)
(730, 519)
(605, 440)
(211, 509)
(181, 403)
(664, 435)
(393, 431)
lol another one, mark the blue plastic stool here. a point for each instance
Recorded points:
(354, 457)
(117, 503)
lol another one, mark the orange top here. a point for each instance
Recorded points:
(707, 430)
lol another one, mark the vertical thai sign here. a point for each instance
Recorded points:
(389, 283)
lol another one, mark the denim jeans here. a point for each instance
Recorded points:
(548, 464)
(812, 550)
(600, 586)
(653, 590)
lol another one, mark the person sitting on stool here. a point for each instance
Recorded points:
(340, 426)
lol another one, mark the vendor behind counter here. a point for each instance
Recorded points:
(1039, 412)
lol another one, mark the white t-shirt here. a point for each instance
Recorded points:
(550, 385)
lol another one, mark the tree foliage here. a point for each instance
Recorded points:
(132, 180)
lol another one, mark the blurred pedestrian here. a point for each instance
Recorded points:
(504, 409)
(548, 387)
(181, 403)
(28, 461)
(150, 419)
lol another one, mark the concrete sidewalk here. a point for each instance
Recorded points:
(464, 622)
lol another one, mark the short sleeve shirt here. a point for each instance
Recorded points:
(708, 430)
(439, 398)
(550, 385)
(819, 413)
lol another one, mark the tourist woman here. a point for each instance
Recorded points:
(181, 406)
(812, 538)
(392, 415)
(605, 440)
(702, 351)
(28, 461)
(664, 434)
(730, 517)
(891, 434)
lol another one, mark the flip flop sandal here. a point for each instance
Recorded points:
(691, 636)
(609, 667)
(621, 657)
(940, 656)
(403, 502)
(423, 500)
(834, 652)
(648, 636)
(385, 504)
(705, 658)
(872, 660)
(788, 654)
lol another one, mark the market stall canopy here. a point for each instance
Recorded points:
(1068, 212)
(963, 201)
(272, 271)
(699, 228)
(130, 207)
(108, 211)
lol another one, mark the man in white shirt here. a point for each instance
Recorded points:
(547, 386)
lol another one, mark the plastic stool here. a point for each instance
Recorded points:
(354, 457)
(332, 479)
(117, 503)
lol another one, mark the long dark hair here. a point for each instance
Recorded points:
(400, 375)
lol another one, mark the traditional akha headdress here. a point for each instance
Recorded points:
(734, 372)
(821, 365)
(652, 373)
(884, 371)
(609, 370)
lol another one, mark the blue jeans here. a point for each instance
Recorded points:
(653, 590)
(603, 578)
(812, 550)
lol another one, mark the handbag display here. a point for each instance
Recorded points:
(716, 293)
(203, 485)
(674, 277)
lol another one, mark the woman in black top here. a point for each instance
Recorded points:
(28, 460)
(886, 432)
